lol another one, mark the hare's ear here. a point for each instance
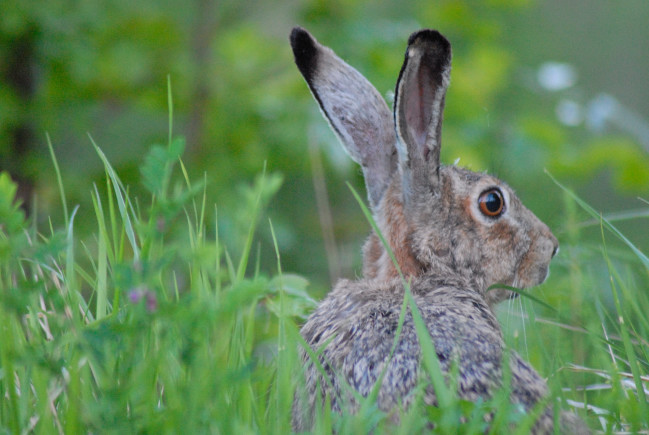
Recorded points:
(354, 108)
(418, 109)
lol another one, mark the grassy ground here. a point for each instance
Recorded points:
(153, 326)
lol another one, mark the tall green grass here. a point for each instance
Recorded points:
(149, 326)
(153, 325)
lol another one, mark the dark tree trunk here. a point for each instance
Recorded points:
(19, 75)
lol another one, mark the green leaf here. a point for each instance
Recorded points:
(158, 164)
(242, 293)
(153, 170)
(12, 218)
(294, 285)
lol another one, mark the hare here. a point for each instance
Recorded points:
(454, 233)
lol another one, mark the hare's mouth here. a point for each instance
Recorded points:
(512, 296)
(544, 273)
(532, 276)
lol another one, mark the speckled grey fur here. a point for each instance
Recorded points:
(448, 250)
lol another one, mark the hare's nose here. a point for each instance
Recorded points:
(555, 251)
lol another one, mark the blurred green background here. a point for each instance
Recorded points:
(539, 85)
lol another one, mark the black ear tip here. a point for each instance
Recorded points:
(301, 40)
(296, 33)
(305, 50)
(431, 38)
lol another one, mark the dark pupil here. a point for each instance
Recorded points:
(492, 202)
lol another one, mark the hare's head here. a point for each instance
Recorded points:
(436, 219)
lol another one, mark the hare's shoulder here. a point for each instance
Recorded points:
(360, 315)
(347, 305)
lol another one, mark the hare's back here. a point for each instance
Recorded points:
(358, 329)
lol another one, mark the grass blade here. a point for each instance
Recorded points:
(102, 258)
(121, 204)
(624, 332)
(59, 179)
(522, 293)
(254, 215)
(607, 224)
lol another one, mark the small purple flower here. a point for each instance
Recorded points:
(161, 224)
(135, 295)
(151, 301)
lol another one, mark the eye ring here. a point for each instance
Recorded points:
(491, 202)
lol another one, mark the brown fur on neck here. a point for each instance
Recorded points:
(395, 228)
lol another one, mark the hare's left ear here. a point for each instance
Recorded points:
(354, 108)
(418, 110)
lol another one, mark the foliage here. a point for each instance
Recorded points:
(141, 311)
(12, 218)
(151, 325)
(155, 329)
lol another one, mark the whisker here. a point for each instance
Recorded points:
(509, 311)
(520, 305)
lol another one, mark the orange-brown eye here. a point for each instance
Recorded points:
(491, 202)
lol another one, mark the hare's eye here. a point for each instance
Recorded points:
(491, 202)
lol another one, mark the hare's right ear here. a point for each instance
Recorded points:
(354, 108)
(418, 110)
